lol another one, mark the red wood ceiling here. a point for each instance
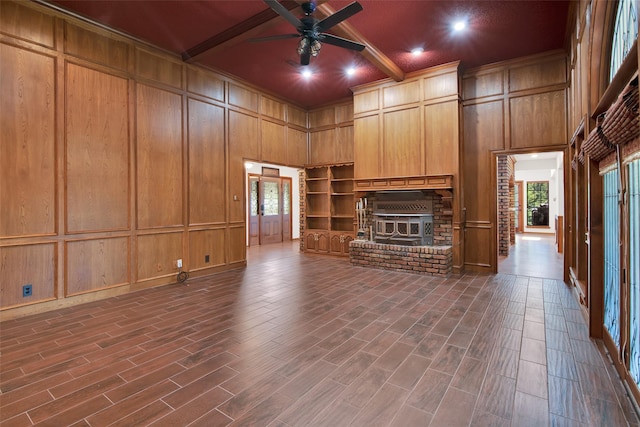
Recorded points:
(497, 30)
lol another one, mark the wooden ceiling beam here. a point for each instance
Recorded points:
(371, 52)
(245, 30)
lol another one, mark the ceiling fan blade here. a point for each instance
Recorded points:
(305, 57)
(339, 16)
(284, 12)
(340, 42)
(275, 37)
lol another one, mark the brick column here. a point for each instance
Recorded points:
(505, 197)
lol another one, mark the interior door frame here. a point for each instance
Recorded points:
(286, 234)
(566, 165)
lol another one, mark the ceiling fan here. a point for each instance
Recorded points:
(311, 30)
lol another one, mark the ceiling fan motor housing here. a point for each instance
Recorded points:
(308, 28)
(309, 7)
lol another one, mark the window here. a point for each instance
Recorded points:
(271, 198)
(286, 197)
(612, 256)
(538, 203)
(625, 31)
(253, 206)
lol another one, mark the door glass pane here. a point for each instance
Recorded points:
(611, 257)
(271, 198)
(253, 208)
(538, 203)
(634, 269)
(286, 197)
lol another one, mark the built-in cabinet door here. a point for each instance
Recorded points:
(310, 243)
(323, 242)
(336, 243)
(347, 239)
(317, 241)
(339, 244)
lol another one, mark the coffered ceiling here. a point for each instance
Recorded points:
(218, 34)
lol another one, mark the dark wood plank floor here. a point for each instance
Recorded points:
(304, 340)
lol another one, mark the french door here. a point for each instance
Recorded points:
(269, 209)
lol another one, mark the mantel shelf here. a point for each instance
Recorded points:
(430, 182)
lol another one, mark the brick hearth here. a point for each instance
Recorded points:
(431, 260)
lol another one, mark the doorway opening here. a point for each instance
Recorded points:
(531, 214)
(272, 202)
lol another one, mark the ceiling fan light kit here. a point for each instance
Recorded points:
(312, 31)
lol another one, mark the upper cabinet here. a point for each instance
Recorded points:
(411, 128)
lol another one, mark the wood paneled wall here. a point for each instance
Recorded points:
(28, 203)
(514, 106)
(331, 134)
(117, 159)
(409, 128)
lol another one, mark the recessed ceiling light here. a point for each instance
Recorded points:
(534, 155)
(248, 165)
(306, 73)
(459, 25)
(351, 71)
(417, 51)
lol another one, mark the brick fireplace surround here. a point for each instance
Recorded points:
(433, 260)
(436, 260)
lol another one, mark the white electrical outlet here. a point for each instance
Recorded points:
(179, 263)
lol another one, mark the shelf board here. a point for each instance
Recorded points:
(317, 193)
(316, 179)
(325, 215)
(342, 194)
(341, 179)
(342, 216)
